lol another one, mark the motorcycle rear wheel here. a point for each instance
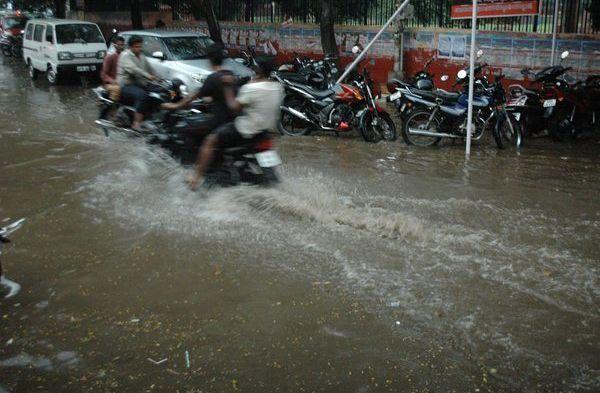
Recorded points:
(418, 119)
(289, 124)
(385, 130)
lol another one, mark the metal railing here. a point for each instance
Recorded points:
(574, 16)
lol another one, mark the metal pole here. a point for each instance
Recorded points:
(554, 31)
(364, 52)
(471, 77)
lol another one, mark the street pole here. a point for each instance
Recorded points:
(471, 77)
(364, 52)
(555, 27)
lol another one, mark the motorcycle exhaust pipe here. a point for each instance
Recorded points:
(416, 131)
(296, 113)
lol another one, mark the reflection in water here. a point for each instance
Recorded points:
(371, 267)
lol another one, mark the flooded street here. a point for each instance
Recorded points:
(372, 268)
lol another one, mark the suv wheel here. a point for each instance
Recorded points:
(52, 76)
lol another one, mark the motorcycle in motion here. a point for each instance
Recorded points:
(338, 109)
(182, 132)
(440, 114)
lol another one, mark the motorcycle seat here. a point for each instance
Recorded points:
(400, 83)
(529, 92)
(434, 95)
(320, 94)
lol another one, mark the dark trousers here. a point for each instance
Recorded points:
(135, 96)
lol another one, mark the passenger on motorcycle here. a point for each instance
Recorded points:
(133, 74)
(212, 91)
(258, 102)
(109, 69)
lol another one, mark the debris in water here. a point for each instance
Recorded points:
(172, 371)
(398, 323)
(13, 287)
(135, 320)
(159, 362)
(42, 304)
(9, 342)
(395, 304)
(187, 359)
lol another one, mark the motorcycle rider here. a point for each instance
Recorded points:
(109, 69)
(133, 74)
(258, 102)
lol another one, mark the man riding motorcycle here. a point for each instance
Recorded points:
(133, 75)
(109, 69)
(258, 102)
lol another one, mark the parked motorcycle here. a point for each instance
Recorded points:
(181, 133)
(440, 114)
(336, 109)
(11, 43)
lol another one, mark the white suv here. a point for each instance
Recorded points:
(182, 55)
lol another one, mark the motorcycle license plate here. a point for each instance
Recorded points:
(395, 96)
(268, 159)
(549, 103)
(517, 116)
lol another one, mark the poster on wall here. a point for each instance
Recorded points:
(452, 46)
(463, 9)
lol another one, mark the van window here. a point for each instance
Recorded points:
(29, 32)
(49, 34)
(78, 33)
(151, 45)
(39, 33)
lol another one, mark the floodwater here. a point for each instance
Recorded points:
(372, 268)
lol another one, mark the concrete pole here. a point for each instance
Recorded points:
(554, 29)
(370, 44)
(471, 77)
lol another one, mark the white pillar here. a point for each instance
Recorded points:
(471, 77)
(554, 29)
(364, 52)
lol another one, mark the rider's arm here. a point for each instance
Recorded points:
(204, 91)
(234, 105)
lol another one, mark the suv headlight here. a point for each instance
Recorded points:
(65, 56)
(100, 54)
(200, 78)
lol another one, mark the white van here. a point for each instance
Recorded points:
(61, 46)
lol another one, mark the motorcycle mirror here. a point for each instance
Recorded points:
(462, 74)
(479, 53)
(114, 31)
(158, 55)
(239, 60)
(564, 55)
(444, 78)
(356, 49)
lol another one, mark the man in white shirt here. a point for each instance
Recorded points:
(258, 101)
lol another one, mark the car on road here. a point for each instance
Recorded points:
(59, 47)
(182, 55)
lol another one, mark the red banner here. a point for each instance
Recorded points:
(463, 9)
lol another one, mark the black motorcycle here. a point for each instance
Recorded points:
(181, 133)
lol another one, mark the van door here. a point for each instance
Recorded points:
(27, 42)
(49, 50)
(37, 57)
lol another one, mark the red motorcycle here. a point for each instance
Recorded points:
(11, 34)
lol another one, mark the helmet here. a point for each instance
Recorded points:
(424, 84)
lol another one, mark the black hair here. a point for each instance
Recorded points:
(264, 66)
(135, 39)
(119, 38)
(215, 54)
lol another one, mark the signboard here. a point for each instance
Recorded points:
(463, 9)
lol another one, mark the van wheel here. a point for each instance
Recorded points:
(33, 73)
(52, 76)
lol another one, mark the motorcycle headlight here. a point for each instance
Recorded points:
(22, 31)
(183, 90)
(100, 54)
(65, 56)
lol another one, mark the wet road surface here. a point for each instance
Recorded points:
(372, 268)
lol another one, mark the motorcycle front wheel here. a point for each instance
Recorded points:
(418, 120)
(378, 128)
(508, 133)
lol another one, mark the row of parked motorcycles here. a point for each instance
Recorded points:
(564, 108)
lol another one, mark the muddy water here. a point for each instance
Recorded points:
(371, 268)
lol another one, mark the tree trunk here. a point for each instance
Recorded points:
(204, 9)
(326, 22)
(59, 9)
(136, 15)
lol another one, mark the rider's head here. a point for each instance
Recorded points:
(135, 44)
(119, 44)
(215, 54)
(263, 68)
